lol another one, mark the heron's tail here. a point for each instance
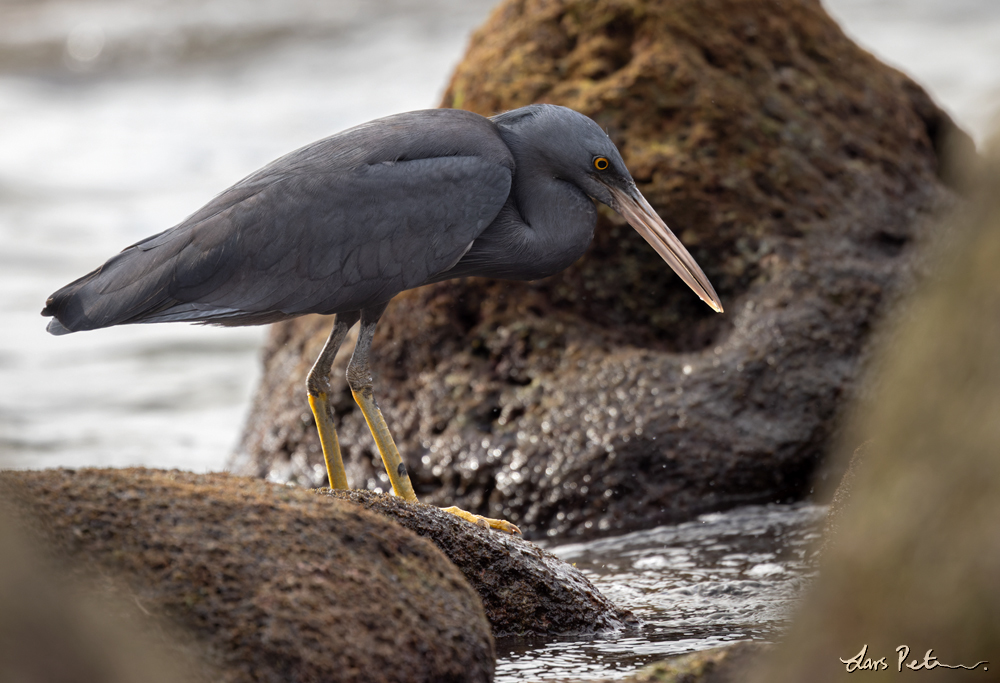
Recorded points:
(128, 288)
(140, 285)
(55, 327)
(66, 309)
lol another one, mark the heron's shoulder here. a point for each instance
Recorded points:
(402, 137)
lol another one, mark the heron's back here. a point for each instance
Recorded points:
(341, 224)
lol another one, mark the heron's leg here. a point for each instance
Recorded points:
(359, 378)
(318, 386)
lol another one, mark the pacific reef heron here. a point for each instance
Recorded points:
(343, 225)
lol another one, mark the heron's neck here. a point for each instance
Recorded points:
(546, 224)
(559, 214)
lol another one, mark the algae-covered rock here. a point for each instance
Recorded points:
(801, 173)
(908, 583)
(270, 583)
(53, 630)
(727, 664)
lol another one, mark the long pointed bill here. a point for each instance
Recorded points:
(641, 216)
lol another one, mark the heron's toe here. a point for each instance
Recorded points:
(485, 522)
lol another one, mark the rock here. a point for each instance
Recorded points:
(913, 566)
(729, 664)
(802, 174)
(272, 583)
(842, 494)
(52, 631)
(525, 590)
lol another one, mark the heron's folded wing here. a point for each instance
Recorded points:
(304, 242)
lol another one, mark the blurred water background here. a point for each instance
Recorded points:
(118, 119)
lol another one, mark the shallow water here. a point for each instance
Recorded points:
(721, 578)
(120, 118)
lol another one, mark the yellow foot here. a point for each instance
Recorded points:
(485, 522)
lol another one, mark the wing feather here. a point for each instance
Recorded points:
(340, 224)
(307, 242)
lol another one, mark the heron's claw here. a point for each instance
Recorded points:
(485, 522)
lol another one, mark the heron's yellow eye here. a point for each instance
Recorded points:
(600, 163)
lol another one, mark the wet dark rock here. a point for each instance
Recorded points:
(802, 173)
(525, 590)
(272, 583)
(916, 554)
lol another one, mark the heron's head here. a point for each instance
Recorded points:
(574, 149)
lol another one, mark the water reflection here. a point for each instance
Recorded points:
(724, 577)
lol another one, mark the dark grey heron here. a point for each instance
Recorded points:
(344, 224)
